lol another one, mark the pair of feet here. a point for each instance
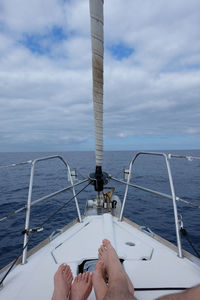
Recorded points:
(108, 269)
(64, 289)
(110, 277)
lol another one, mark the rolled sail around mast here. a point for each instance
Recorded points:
(97, 37)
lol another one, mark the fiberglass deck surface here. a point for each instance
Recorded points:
(148, 263)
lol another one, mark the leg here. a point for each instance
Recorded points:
(119, 284)
(190, 294)
(99, 281)
(62, 283)
(81, 287)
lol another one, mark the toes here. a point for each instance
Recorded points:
(87, 275)
(89, 279)
(67, 273)
(69, 278)
(60, 271)
(100, 252)
(84, 276)
(106, 243)
(80, 275)
(101, 249)
(62, 267)
(99, 265)
(67, 270)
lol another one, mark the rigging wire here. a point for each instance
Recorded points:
(182, 230)
(41, 199)
(40, 227)
(17, 164)
(154, 192)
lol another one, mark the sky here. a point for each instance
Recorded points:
(151, 75)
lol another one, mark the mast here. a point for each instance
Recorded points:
(97, 39)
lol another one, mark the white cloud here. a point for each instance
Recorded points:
(192, 130)
(47, 95)
(77, 16)
(122, 135)
(31, 16)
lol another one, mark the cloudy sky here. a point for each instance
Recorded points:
(152, 75)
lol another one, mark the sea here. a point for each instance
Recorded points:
(145, 209)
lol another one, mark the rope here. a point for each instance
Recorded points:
(185, 234)
(41, 225)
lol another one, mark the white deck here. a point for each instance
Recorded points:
(162, 267)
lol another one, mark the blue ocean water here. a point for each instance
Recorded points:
(143, 208)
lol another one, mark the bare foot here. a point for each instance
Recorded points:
(98, 280)
(110, 258)
(81, 287)
(62, 283)
(112, 263)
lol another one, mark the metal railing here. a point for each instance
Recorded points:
(28, 209)
(173, 195)
(29, 204)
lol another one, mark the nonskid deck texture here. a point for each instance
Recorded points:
(148, 262)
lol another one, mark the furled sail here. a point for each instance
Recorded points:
(97, 37)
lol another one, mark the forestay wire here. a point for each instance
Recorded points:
(97, 39)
